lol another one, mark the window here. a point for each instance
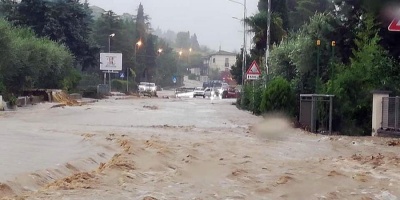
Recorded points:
(213, 60)
(226, 62)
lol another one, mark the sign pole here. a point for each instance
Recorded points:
(254, 99)
(127, 80)
(109, 80)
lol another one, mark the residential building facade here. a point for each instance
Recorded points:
(221, 61)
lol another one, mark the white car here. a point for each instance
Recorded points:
(143, 86)
(148, 89)
(199, 91)
(209, 92)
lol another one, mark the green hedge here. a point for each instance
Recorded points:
(278, 96)
(120, 85)
(28, 61)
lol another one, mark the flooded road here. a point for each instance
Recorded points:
(190, 149)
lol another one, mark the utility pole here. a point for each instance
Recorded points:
(268, 42)
(109, 51)
(244, 43)
(318, 60)
(244, 38)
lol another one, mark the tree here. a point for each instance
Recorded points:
(52, 19)
(370, 68)
(258, 26)
(142, 24)
(279, 7)
(123, 41)
(194, 44)
(150, 58)
(303, 10)
(183, 40)
(33, 62)
(166, 65)
(236, 70)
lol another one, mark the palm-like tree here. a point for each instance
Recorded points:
(258, 25)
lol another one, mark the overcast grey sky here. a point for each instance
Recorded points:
(211, 20)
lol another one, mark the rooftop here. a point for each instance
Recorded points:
(223, 53)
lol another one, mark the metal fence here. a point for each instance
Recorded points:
(391, 113)
(316, 112)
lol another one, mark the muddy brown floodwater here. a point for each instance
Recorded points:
(185, 149)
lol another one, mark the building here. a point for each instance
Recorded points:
(221, 60)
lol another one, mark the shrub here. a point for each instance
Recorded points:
(120, 85)
(278, 97)
(32, 62)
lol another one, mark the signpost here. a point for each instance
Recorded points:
(395, 25)
(110, 63)
(253, 74)
(174, 79)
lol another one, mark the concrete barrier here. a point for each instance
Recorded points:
(185, 95)
(22, 101)
(103, 90)
(76, 96)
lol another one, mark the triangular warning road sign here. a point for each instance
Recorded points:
(254, 69)
(395, 25)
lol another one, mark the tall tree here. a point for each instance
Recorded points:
(236, 70)
(150, 58)
(141, 24)
(279, 7)
(194, 43)
(183, 40)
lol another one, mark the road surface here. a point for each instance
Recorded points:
(184, 149)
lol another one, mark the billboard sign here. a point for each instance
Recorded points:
(111, 61)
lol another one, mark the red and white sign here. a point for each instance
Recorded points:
(254, 72)
(395, 25)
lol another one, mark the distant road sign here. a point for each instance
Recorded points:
(395, 25)
(254, 72)
(174, 79)
(122, 75)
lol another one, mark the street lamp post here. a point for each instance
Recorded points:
(268, 42)
(137, 45)
(318, 55)
(244, 38)
(109, 51)
(109, 42)
(190, 51)
(333, 44)
(179, 71)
